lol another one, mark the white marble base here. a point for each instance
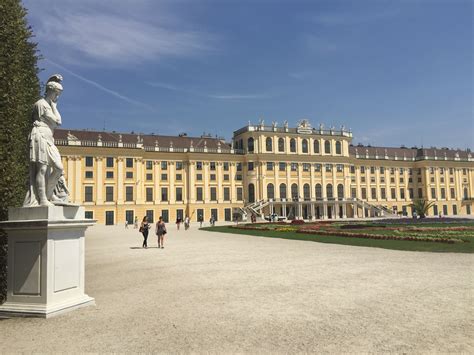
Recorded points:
(45, 261)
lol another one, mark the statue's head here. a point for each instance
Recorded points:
(54, 87)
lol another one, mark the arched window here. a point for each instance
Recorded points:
(304, 146)
(269, 144)
(306, 192)
(270, 191)
(294, 192)
(281, 145)
(251, 193)
(338, 148)
(319, 192)
(316, 146)
(329, 192)
(250, 144)
(292, 145)
(327, 147)
(340, 192)
(282, 190)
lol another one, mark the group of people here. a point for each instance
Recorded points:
(187, 222)
(160, 231)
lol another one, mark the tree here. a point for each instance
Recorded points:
(421, 207)
(19, 89)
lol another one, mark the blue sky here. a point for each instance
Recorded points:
(396, 72)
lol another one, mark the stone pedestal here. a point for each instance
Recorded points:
(45, 261)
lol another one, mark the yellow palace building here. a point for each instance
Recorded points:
(301, 172)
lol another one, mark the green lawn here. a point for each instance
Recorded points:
(467, 247)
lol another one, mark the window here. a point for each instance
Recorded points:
(410, 193)
(149, 165)
(270, 191)
(240, 194)
(129, 174)
(433, 193)
(199, 177)
(362, 169)
(226, 177)
(316, 146)
(372, 169)
(339, 168)
(435, 210)
(89, 161)
(340, 191)
(455, 210)
(402, 171)
(281, 145)
(373, 193)
(129, 162)
(319, 192)
(109, 174)
(420, 193)
(213, 177)
(199, 165)
(226, 166)
(212, 165)
(306, 167)
(453, 193)
(304, 146)
(329, 193)
(392, 171)
(306, 192)
(109, 218)
(250, 145)
(89, 174)
(294, 192)
(328, 167)
(109, 194)
(338, 147)
(179, 177)
(179, 194)
(269, 166)
(214, 213)
(199, 196)
(292, 145)
(109, 162)
(164, 165)
(283, 191)
(250, 166)
(393, 193)
(128, 193)
(89, 215)
(282, 166)
(362, 179)
(382, 170)
(294, 166)
(364, 193)
(164, 177)
(239, 166)
(150, 214)
(402, 193)
(199, 214)
(179, 165)
(327, 147)
(383, 193)
(238, 177)
(317, 167)
(226, 194)
(164, 194)
(165, 215)
(227, 214)
(465, 194)
(268, 144)
(445, 209)
(443, 193)
(149, 194)
(88, 192)
(213, 194)
(401, 180)
(353, 192)
(129, 216)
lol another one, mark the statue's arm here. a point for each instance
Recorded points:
(51, 114)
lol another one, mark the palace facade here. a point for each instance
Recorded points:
(301, 172)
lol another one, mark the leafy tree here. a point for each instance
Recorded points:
(421, 207)
(19, 89)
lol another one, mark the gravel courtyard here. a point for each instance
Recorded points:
(214, 292)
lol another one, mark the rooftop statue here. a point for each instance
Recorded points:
(46, 167)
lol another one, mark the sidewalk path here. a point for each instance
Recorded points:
(214, 292)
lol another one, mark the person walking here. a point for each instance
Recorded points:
(178, 222)
(160, 231)
(186, 223)
(200, 220)
(144, 228)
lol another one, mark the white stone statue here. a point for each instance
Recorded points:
(285, 124)
(46, 167)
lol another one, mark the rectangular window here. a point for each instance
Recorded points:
(339, 168)
(226, 166)
(393, 193)
(402, 193)
(226, 194)
(179, 165)
(306, 167)
(199, 177)
(165, 215)
(149, 194)
(373, 193)
(199, 196)
(364, 193)
(392, 171)
(149, 177)
(109, 174)
(239, 166)
(179, 194)
(445, 209)
(89, 215)
(109, 162)
(402, 170)
(109, 194)
(129, 214)
(353, 192)
(164, 194)
(238, 177)
(212, 165)
(129, 162)
(383, 193)
(392, 180)
(240, 194)
(128, 193)
(455, 210)
(362, 179)
(164, 177)
(150, 214)
(164, 165)
(435, 210)
(200, 215)
(382, 179)
(227, 214)
(317, 167)
(269, 166)
(433, 193)
(226, 177)
(362, 169)
(250, 166)
(372, 180)
(401, 180)
(214, 213)
(129, 174)
(109, 218)
(353, 170)
(88, 193)
(281, 166)
(382, 170)
(328, 167)
(372, 170)
(179, 177)
(89, 162)
(443, 193)
(420, 193)
(410, 193)
(294, 166)
(149, 165)
(89, 174)
(179, 214)
(199, 165)
(453, 193)
(213, 177)
(213, 194)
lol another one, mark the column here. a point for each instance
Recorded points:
(139, 180)
(206, 189)
(156, 181)
(120, 173)
(171, 179)
(100, 183)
